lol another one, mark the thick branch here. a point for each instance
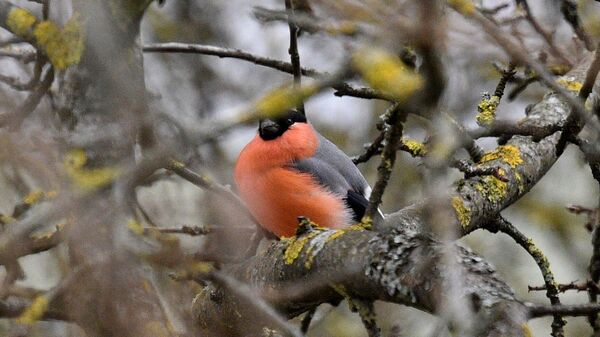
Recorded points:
(401, 267)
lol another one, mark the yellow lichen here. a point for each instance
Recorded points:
(87, 179)
(63, 47)
(526, 330)
(344, 27)
(386, 72)
(75, 159)
(202, 267)
(49, 234)
(135, 226)
(463, 214)
(35, 311)
(340, 289)
(365, 223)
(487, 110)
(6, 219)
(33, 197)
(416, 149)
(278, 101)
(337, 234)
(519, 180)
(20, 22)
(295, 246)
(176, 164)
(492, 188)
(156, 329)
(569, 84)
(510, 154)
(465, 7)
(559, 69)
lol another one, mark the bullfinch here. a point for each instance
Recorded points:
(290, 170)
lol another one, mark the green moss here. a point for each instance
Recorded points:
(20, 22)
(463, 214)
(492, 188)
(487, 110)
(510, 154)
(63, 47)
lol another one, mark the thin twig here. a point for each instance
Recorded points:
(187, 230)
(176, 47)
(546, 36)
(507, 75)
(393, 135)
(502, 225)
(566, 287)
(31, 102)
(371, 150)
(471, 170)
(569, 11)
(563, 310)
(293, 50)
(342, 89)
(519, 55)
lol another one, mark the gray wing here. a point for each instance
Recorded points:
(335, 170)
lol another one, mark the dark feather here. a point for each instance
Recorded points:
(333, 169)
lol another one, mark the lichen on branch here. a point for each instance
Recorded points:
(63, 46)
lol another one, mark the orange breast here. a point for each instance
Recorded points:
(277, 195)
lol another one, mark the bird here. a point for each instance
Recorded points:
(289, 170)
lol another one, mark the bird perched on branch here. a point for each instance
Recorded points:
(290, 170)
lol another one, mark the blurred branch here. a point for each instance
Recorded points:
(342, 89)
(310, 23)
(187, 230)
(569, 11)
(546, 36)
(17, 117)
(208, 184)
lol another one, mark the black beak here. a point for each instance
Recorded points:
(268, 129)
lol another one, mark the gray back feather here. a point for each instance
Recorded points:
(334, 169)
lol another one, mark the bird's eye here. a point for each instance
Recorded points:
(290, 121)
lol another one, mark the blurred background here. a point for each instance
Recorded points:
(192, 88)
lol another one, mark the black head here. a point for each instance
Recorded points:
(269, 129)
